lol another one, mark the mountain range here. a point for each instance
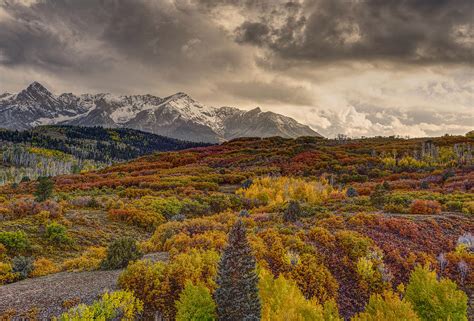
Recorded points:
(177, 116)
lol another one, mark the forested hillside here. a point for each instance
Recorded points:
(297, 229)
(56, 150)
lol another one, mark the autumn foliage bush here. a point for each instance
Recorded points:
(425, 207)
(111, 306)
(43, 266)
(282, 300)
(387, 307)
(159, 285)
(6, 273)
(277, 191)
(133, 216)
(314, 279)
(89, 260)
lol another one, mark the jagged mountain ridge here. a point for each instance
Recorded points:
(177, 116)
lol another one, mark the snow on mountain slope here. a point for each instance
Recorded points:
(178, 116)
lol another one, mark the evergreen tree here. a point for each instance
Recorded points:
(237, 295)
(120, 252)
(292, 211)
(44, 190)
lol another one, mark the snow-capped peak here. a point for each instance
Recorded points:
(36, 91)
(178, 115)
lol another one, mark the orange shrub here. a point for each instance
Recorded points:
(425, 207)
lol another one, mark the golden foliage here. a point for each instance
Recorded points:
(88, 261)
(282, 301)
(6, 273)
(43, 266)
(314, 279)
(279, 190)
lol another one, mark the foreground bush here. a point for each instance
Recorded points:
(195, 303)
(433, 299)
(282, 301)
(159, 285)
(120, 252)
(387, 307)
(114, 305)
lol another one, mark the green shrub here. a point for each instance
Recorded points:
(23, 266)
(354, 244)
(14, 241)
(433, 299)
(195, 303)
(454, 206)
(120, 252)
(57, 233)
(119, 305)
(386, 307)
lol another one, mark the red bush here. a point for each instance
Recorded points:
(425, 207)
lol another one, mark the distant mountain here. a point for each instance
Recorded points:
(178, 116)
(94, 143)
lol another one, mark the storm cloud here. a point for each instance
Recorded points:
(356, 67)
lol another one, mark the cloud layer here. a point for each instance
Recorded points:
(356, 67)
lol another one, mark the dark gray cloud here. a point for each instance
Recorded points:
(415, 31)
(412, 31)
(378, 66)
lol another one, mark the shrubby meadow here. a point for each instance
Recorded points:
(257, 229)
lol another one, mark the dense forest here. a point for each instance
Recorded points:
(258, 229)
(57, 150)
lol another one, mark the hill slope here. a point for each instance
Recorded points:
(54, 150)
(342, 219)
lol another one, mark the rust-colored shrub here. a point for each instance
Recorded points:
(425, 207)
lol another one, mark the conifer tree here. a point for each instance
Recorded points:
(44, 190)
(237, 295)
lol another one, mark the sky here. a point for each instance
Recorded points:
(360, 68)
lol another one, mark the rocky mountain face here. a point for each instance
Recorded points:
(178, 116)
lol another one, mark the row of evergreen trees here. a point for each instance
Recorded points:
(96, 143)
